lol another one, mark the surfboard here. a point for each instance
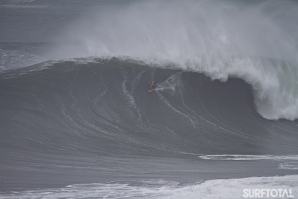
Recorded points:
(151, 90)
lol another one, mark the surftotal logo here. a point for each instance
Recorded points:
(268, 193)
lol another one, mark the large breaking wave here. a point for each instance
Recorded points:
(254, 41)
(107, 100)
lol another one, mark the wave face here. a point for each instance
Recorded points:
(220, 39)
(108, 100)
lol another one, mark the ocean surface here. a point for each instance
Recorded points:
(77, 121)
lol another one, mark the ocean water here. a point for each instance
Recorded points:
(77, 120)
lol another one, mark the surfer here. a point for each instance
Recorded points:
(153, 84)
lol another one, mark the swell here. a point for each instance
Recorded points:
(101, 106)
